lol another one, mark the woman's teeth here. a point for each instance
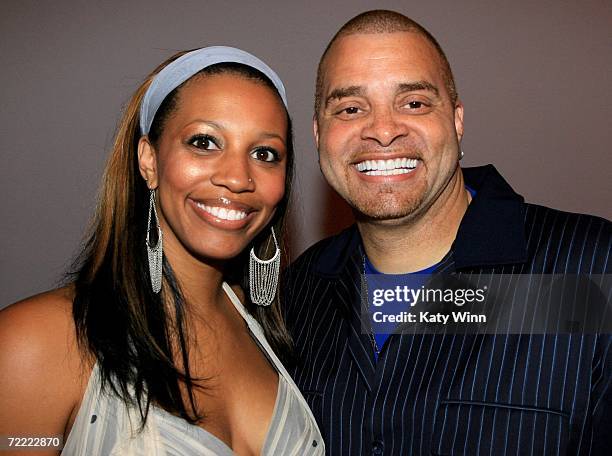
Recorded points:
(387, 167)
(222, 212)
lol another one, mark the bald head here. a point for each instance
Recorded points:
(383, 21)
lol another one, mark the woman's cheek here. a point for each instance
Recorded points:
(276, 189)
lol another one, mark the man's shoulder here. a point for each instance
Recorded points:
(325, 257)
(574, 242)
(576, 224)
(307, 278)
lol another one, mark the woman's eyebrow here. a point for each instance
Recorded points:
(210, 123)
(271, 135)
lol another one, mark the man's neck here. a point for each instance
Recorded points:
(420, 241)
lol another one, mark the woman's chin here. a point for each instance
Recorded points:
(219, 256)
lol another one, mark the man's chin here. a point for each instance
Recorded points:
(390, 215)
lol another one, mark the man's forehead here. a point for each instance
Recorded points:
(355, 56)
(373, 46)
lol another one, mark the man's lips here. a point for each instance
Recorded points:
(386, 167)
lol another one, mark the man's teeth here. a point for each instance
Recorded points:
(387, 167)
(223, 213)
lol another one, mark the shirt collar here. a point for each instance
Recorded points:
(491, 231)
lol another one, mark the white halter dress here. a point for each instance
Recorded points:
(106, 426)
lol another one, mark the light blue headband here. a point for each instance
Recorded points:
(177, 72)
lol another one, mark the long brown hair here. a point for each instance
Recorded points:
(119, 320)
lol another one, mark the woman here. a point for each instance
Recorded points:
(147, 351)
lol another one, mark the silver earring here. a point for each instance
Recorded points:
(263, 276)
(154, 253)
(460, 153)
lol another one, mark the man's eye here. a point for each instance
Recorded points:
(204, 142)
(351, 110)
(415, 104)
(265, 154)
(348, 112)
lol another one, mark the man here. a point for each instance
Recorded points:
(388, 124)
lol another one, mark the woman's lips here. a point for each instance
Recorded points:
(223, 213)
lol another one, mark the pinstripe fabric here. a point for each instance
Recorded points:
(457, 394)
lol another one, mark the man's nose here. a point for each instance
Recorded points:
(384, 127)
(233, 172)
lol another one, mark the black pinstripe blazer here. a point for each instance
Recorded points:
(456, 394)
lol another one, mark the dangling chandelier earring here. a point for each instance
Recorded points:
(263, 276)
(154, 253)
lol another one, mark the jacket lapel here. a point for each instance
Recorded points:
(349, 297)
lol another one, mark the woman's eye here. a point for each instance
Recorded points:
(204, 142)
(265, 154)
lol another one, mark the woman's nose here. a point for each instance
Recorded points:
(233, 173)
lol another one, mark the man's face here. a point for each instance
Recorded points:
(387, 132)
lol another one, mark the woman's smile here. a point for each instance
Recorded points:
(223, 213)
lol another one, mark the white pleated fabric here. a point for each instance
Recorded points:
(106, 426)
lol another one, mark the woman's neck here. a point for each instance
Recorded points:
(201, 283)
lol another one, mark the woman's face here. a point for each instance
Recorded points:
(219, 166)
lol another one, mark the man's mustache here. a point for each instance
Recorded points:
(409, 151)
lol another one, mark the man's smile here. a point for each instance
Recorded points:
(390, 167)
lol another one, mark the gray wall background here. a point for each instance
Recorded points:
(534, 78)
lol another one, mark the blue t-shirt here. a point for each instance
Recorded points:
(369, 268)
(412, 278)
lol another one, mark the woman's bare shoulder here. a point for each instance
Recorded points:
(40, 328)
(57, 301)
(42, 370)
